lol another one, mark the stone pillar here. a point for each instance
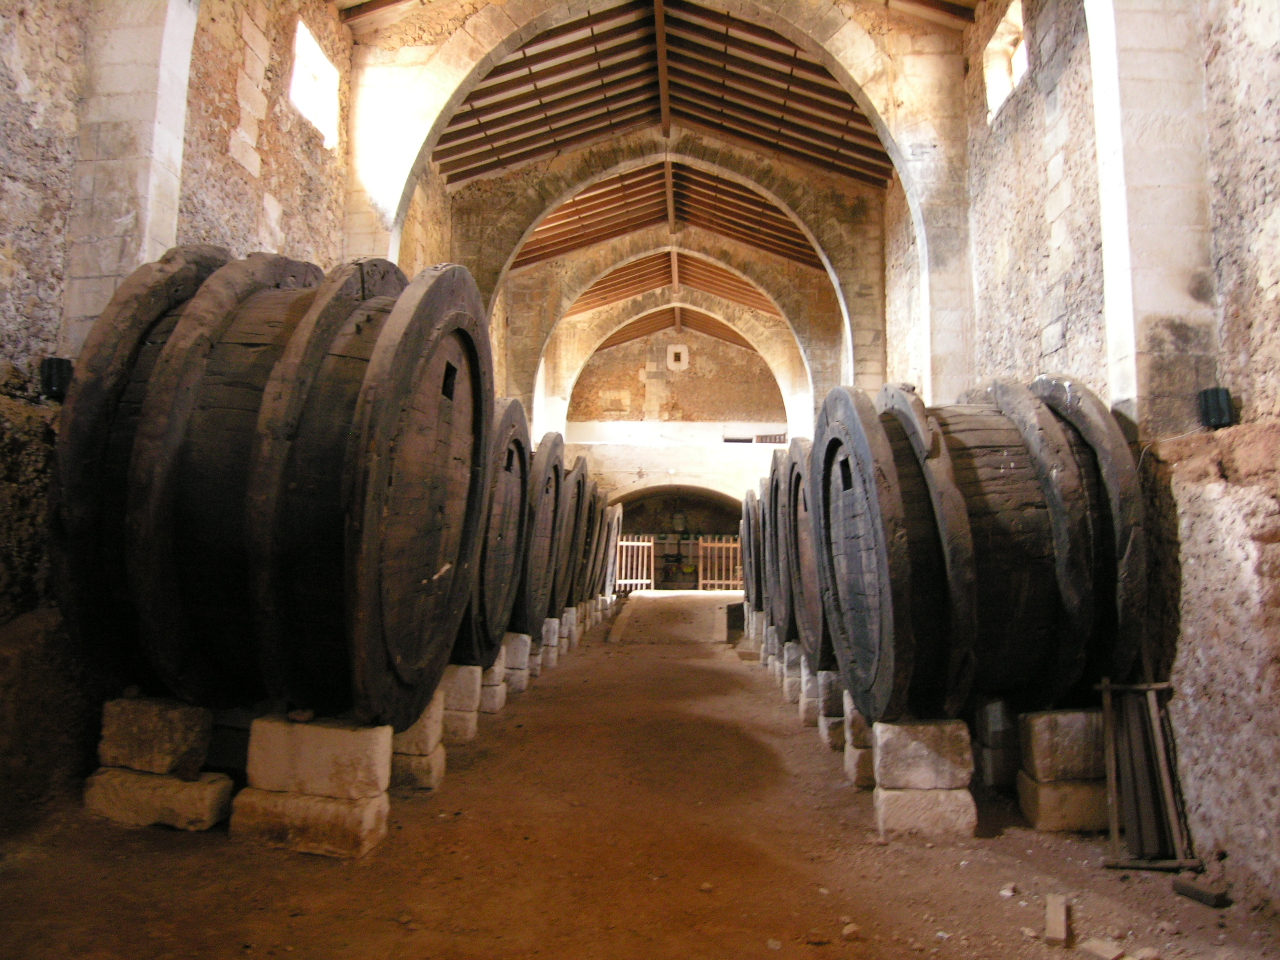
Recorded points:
(1149, 114)
(132, 124)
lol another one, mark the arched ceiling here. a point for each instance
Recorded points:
(678, 317)
(658, 62)
(670, 269)
(673, 193)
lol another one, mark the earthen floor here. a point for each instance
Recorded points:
(650, 798)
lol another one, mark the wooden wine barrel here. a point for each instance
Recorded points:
(811, 621)
(594, 584)
(95, 443)
(537, 573)
(610, 582)
(503, 545)
(571, 496)
(745, 534)
(962, 547)
(777, 556)
(585, 545)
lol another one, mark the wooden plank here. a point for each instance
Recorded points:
(474, 112)
(488, 91)
(594, 43)
(660, 38)
(747, 68)
(790, 63)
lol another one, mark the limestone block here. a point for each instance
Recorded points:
(995, 768)
(307, 824)
(325, 758)
(461, 686)
(517, 680)
(461, 726)
(418, 773)
(1079, 805)
(498, 672)
(791, 689)
(550, 632)
(808, 681)
(155, 736)
(1062, 745)
(568, 622)
(792, 657)
(831, 731)
(493, 699)
(535, 663)
(424, 736)
(550, 656)
(830, 693)
(995, 725)
(931, 812)
(810, 710)
(923, 755)
(856, 730)
(858, 767)
(515, 650)
(142, 799)
(771, 640)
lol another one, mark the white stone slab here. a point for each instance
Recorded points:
(858, 767)
(1063, 805)
(831, 731)
(517, 680)
(461, 687)
(493, 699)
(461, 726)
(155, 736)
(324, 758)
(923, 755)
(1062, 745)
(307, 824)
(856, 730)
(497, 673)
(424, 736)
(137, 799)
(418, 773)
(516, 647)
(929, 812)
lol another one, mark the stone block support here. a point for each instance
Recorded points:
(141, 799)
(155, 736)
(132, 125)
(923, 755)
(325, 758)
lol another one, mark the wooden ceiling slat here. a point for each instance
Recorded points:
(723, 220)
(526, 134)
(730, 22)
(675, 26)
(806, 139)
(660, 45)
(489, 91)
(547, 106)
(836, 94)
(543, 145)
(753, 236)
(593, 42)
(471, 113)
(650, 210)
(603, 205)
(530, 256)
(591, 20)
(694, 119)
(615, 127)
(712, 195)
(787, 112)
(702, 323)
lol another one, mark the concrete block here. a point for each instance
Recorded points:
(791, 689)
(498, 672)
(493, 699)
(1062, 745)
(515, 649)
(325, 758)
(1062, 805)
(307, 824)
(418, 773)
(142, 799)
(155, 736)
(424, 736)
(461, 686)
(859, 768)
(809, 710)
(517, 680)
(830, 693)
(856, 730)
(995, 768)
(930, 812)
(923, 755)
(461, 726)
(831, 731)
(995, 725)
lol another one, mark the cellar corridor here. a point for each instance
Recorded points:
(652, 797)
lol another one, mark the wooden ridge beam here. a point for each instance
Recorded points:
(660, 39)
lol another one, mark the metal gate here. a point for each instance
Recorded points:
(719, 563)
(635, 563)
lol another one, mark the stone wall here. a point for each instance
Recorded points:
(42, 71)
(723, 382)
(256, 173)
(906, 323)
(1034, 214)
(26, 471)
(1224, 489)
(1242, 67)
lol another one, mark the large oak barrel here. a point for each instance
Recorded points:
(613, 534)
(594, 584)
(502, 548)
(95, 443)
(537, 573)
(304, 483)
(572, 495)
(585, 546)
(811, 621)
(961, 548)
(777, 555)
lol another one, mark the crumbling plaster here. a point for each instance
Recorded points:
(723, 382)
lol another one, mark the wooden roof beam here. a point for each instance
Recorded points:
(669, 184)
(660, 37)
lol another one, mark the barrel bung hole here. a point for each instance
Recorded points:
(450, 377)
(846, 475)
(511, 461)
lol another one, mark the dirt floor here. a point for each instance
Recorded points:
(650, 798)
